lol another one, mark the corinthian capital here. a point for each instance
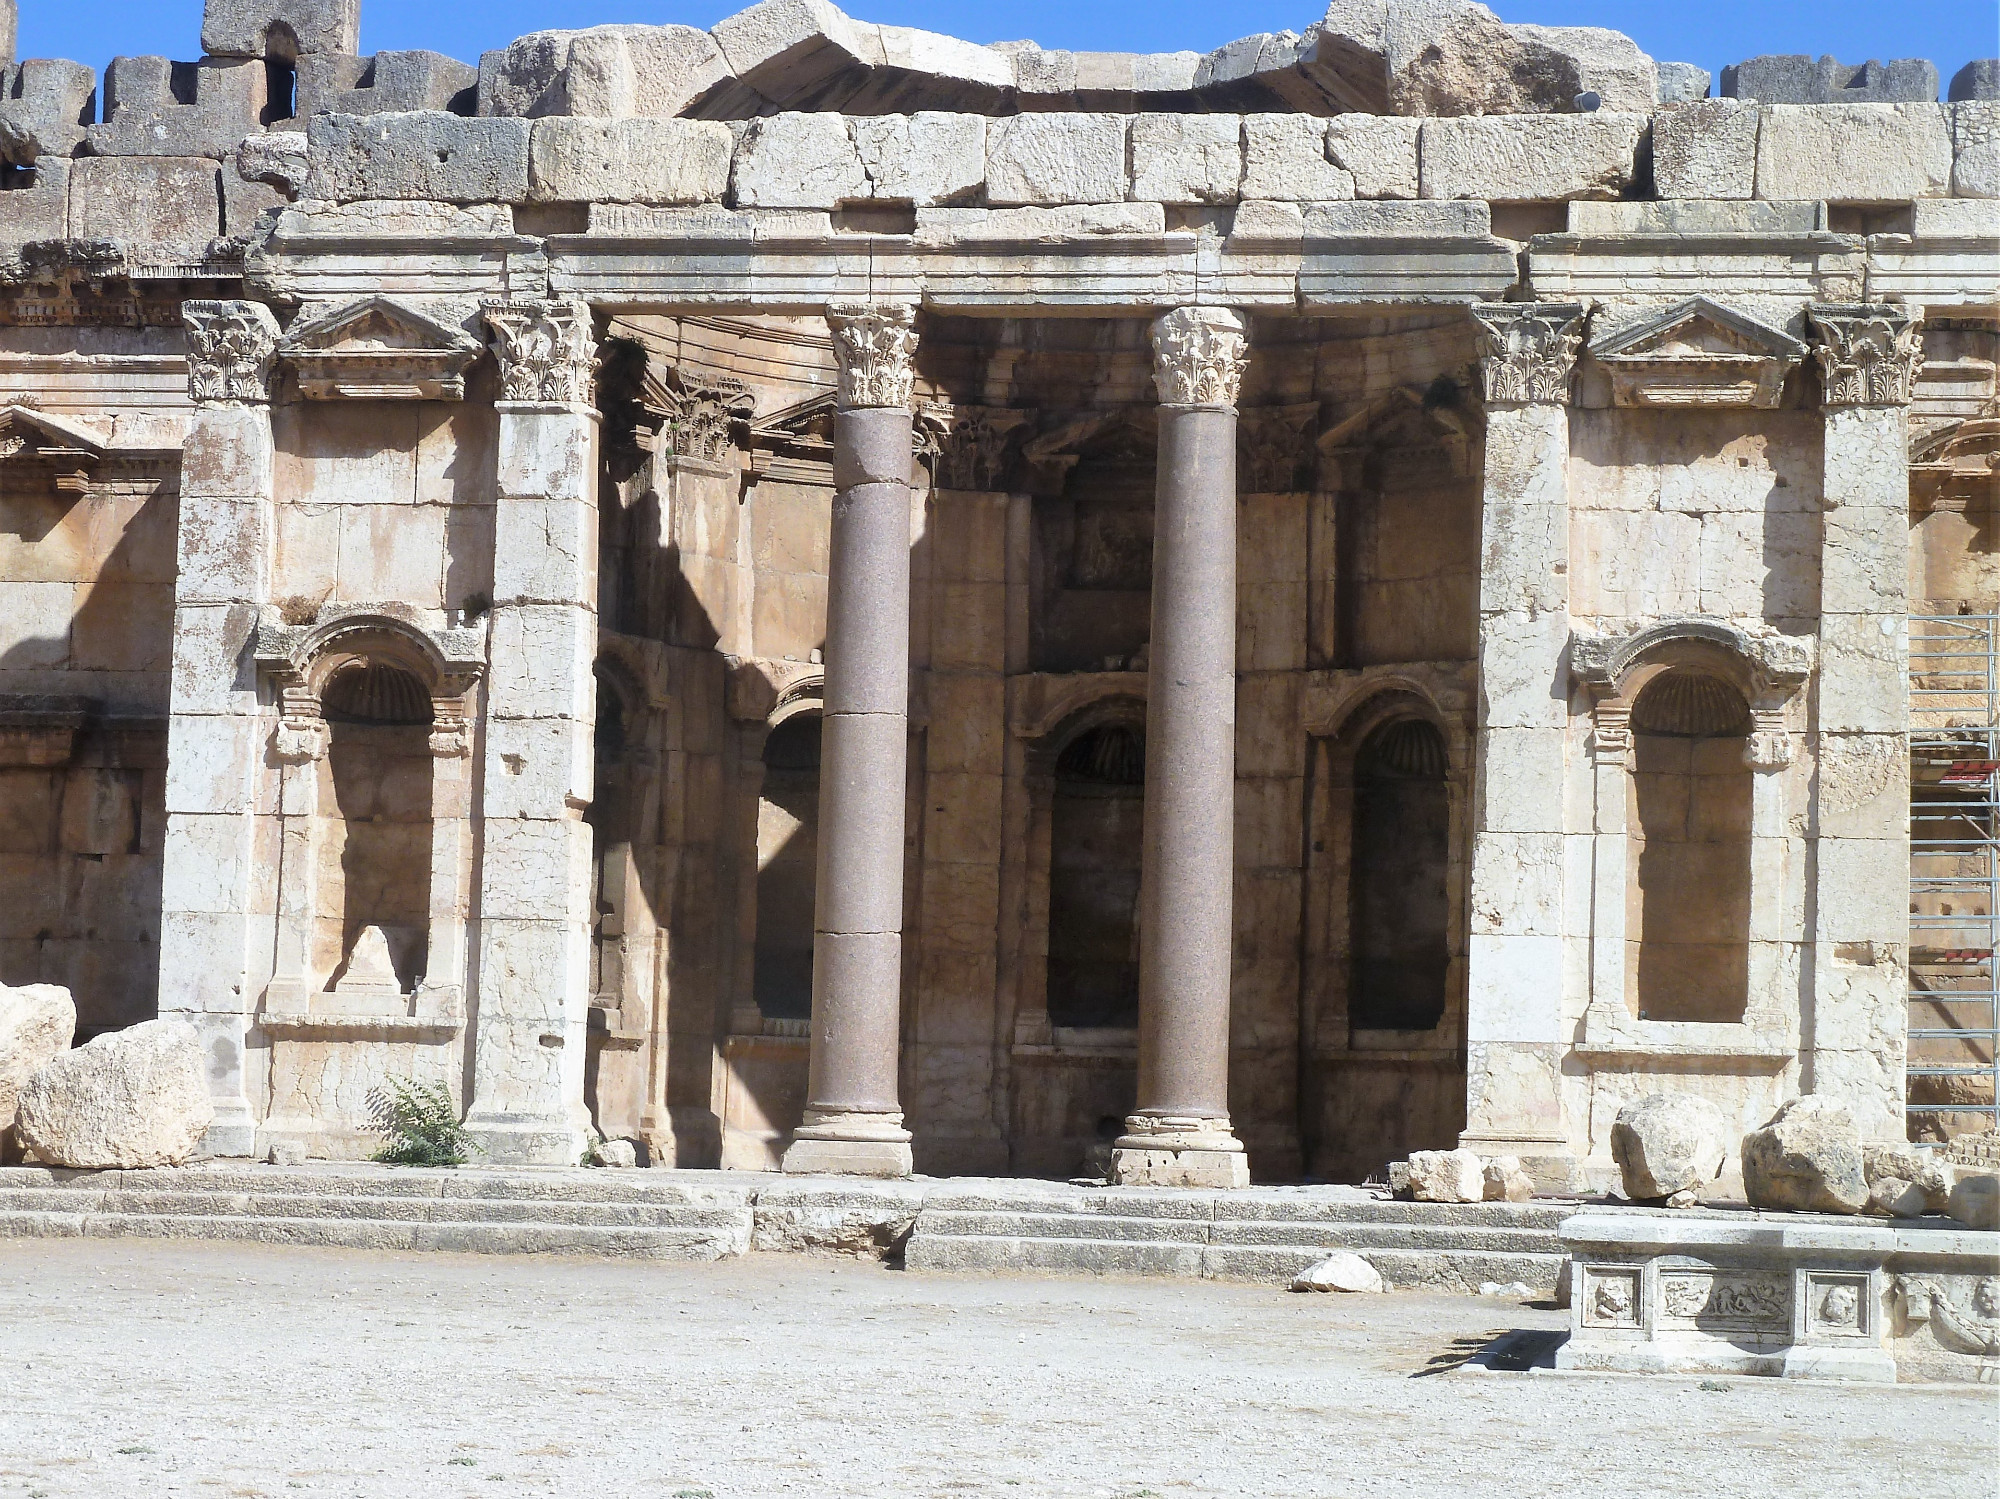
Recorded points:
(545, 347)
(1869, 353)
(874, 351)
(229, 348)
(1529, 350)
(1198, 357)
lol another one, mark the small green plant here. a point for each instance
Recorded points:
(462, 1462)
(421, 1124)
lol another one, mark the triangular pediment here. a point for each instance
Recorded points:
(378, 325)
(24, 429)
(379, 349)
(806, 424)
(1698, 328)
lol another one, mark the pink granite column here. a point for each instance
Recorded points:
(1180, 1134)
(853, 1119)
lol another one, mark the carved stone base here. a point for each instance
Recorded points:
(846, 1143)
(1165, 1151)
(524, 1143)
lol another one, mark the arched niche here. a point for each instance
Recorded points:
(1399, 872)
(787, 863)
(1096, 833)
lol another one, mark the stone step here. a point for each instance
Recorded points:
(374, 1207)
(711, 1189)
(648, 1242)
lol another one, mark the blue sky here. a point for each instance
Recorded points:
(1708, 32)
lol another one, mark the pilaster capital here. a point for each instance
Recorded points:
(1769, 743)
(1199, 354)
(874, 353)
(1869, 353)
(1528, 350)
(546, 348)
(229, 351)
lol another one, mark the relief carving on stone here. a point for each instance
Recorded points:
(1724, 1299)
(546, 350)
(380, 350)
(874, 352)
(229, 351)
(1611, 1298)
(1199, 354)
(1275, 448)
(1529, 350)
(1698, 353)
(1972, 1329)
(970, 447)
(1869, 353)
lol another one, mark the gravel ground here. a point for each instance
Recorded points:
(138, 1368)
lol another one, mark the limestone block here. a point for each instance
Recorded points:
(1682, 83)
(838, 1218)
(527, 77)
(925, 159)
(547, 650)
(1530, 158)
(961, 74)
(242, 28)
(940, 228)
(422, 154)
(1392, 220)
(1378, 151)
(1906, 1168)
(127, 1100)
(1798, 79)
(39, 212)
(1608, 63)
(144, 117)
(1507, 1181)
(806, 38)
(37, 1024)
(1854, 153)
(578, 160)
(387, 83)
(1807, 1158)
(1447, 1176)
(1978, 79)
(1668, 1146)
(1285, 160)
(1340, 1272)
(1044, 159)
(656, 71)
(798, 161)
(1975, 1201)
(277, 158)
(1181, 158)
(163, 207)
(1975, 146)
(51, 103)
(1706, 149)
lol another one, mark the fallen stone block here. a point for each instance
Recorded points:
(1507, 1181)
(128, 1099)
(1608, 64)
(161, 208)
(1706, 149)
(1975, 148)
(37, 1024)
(1854, 153)
(1807, 1159)
(442, 157)
(1179, 158)
(1795, 78)
(243, 28)
(668, 162)
(1447, 1176)
(798, 161)
(1048, 159)
(1906, 1165)
(1378, 151)
(1975, 1201)
(621, 1155)
(1530, 158)
(926, 159)
(1668, 1145)
(1340, 1272)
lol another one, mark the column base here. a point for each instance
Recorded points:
(840, 1142)
(229, 1137)
(524, 1143)
(1177, 1151)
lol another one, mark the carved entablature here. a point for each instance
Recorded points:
(1698, 353)
(1199, 355)
(1274, 448)
(230, 346)
(546, 348)
(62, 454)
(874, 352)
(378, 349)
(1869, 353)
(1529, 350)
(796, 443)
(766, 691)
(1957, 468)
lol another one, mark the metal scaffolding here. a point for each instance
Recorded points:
(1954, 1009)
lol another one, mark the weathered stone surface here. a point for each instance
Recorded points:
(573, 159)
(1682, 83)
(1378, 151)
(1507, 1181)
(806, 1217)
(926, 159)
(1891, 1197)
(388, 83)
(1285, 160)
(143, 116)
(1447, 1176)
(1668, 1143)
(1975, 1200)
(1975, 144)
(1608, 64)
(1806, 1159)
(37, 1024)
(808, 38)
(131, 1098)
(242, 28)
(1045, 159)
(418, 155)
(277, 159)
(1706, 150)
(1979, 79)
(1930, 1173)
(1798, 79)
(620, 71)
(1530, 158)
(161, 207)
(1179, 158)
(798, 161)
(43, 117)
(1854, 153)
(1340, 1272)
(618, 1154)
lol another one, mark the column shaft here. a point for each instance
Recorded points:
(1180, 1134)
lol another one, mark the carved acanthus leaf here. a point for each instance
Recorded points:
(1199, 354)
(874, 352)
(545, 347)
(229, 349)
(1530, 350)
(1869, 353)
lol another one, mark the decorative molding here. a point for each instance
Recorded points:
(448, 661)
(1698, 353)
(229, 351)
(973, 447)
(1869, 354)
(874, 352)
(1769, 745)
(380, 350)
(1529, 350)
(1199, 355)
(64, 452)
(1274, 448)
(1776, 664)
(546, 349)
